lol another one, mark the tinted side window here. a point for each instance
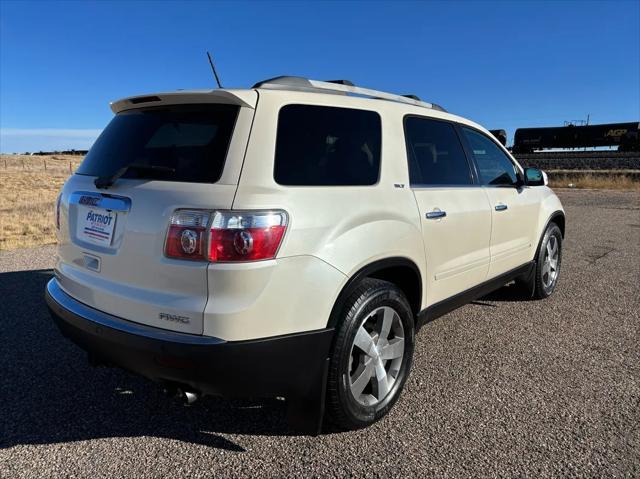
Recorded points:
(494, 167)
(436, 156)
(326, 146)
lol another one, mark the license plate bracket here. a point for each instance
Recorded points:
(96, 225)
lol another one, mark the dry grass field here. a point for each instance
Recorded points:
(28, 194)
(29, 186)
(596, 181)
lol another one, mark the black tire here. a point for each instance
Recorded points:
(344, 410)
(543, 287)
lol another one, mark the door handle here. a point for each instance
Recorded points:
(501, 207)
(434, 215)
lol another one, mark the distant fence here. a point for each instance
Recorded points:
(52, 165)
(590, 161)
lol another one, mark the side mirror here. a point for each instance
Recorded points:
(535, 177)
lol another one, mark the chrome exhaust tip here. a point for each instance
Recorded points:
(189, 397)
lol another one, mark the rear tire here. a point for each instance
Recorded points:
(371, 358)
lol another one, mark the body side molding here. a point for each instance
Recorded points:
(443, 307)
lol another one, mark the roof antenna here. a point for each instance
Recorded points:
(214, 70)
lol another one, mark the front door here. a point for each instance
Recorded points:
(514, 207)
(454, 209)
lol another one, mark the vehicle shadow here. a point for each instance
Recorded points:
(509, 292)
(50, 393)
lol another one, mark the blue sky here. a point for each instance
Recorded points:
(505, 65)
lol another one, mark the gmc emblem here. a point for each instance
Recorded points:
(89, 200)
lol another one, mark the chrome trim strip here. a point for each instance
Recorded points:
(465, 268)
(112, 203)
(511, 251)
(76, 308)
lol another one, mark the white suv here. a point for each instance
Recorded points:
(288, 240)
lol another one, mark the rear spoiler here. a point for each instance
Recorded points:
(246, 98)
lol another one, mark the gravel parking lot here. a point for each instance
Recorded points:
(498, 388)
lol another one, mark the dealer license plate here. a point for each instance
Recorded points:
(95, 225)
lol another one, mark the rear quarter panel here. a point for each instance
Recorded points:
(344, 226)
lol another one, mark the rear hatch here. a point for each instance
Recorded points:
(149, 162)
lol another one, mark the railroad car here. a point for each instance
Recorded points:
(501, 136)
(623, 135)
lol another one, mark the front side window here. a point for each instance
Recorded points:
(327, 146)
(436, 156)
(494, 167)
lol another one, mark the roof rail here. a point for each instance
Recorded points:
(341, 82)
(339, 87)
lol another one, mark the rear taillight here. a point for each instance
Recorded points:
(187, 235)
(246, 236)
(225, 236)
(58, 211)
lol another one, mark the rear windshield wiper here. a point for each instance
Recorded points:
(103, 182)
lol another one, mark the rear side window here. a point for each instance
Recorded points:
(494, 167)
(327, 146)
(187, 142)
(436, 156)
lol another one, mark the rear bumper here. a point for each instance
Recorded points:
(293, 366)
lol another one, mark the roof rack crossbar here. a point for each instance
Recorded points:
(341, 87)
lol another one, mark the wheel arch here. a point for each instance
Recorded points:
(558, 218)
(401, 271)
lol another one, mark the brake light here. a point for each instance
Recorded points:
(225, 236)
(246, 236)
(187, 235)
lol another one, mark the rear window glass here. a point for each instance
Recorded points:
(187, 142)
(327, 146)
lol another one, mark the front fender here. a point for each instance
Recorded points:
(550, 208)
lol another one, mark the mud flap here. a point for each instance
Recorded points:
(527, 282)
(305, 414)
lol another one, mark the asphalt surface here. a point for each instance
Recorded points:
(498, 388)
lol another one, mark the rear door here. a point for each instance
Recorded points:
(514, 207)
(455, 214)
(111, 240)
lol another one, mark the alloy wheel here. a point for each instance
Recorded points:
(376, 356)
(550, 264)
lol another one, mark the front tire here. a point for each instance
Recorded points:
(372, 355)
(548, 262)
